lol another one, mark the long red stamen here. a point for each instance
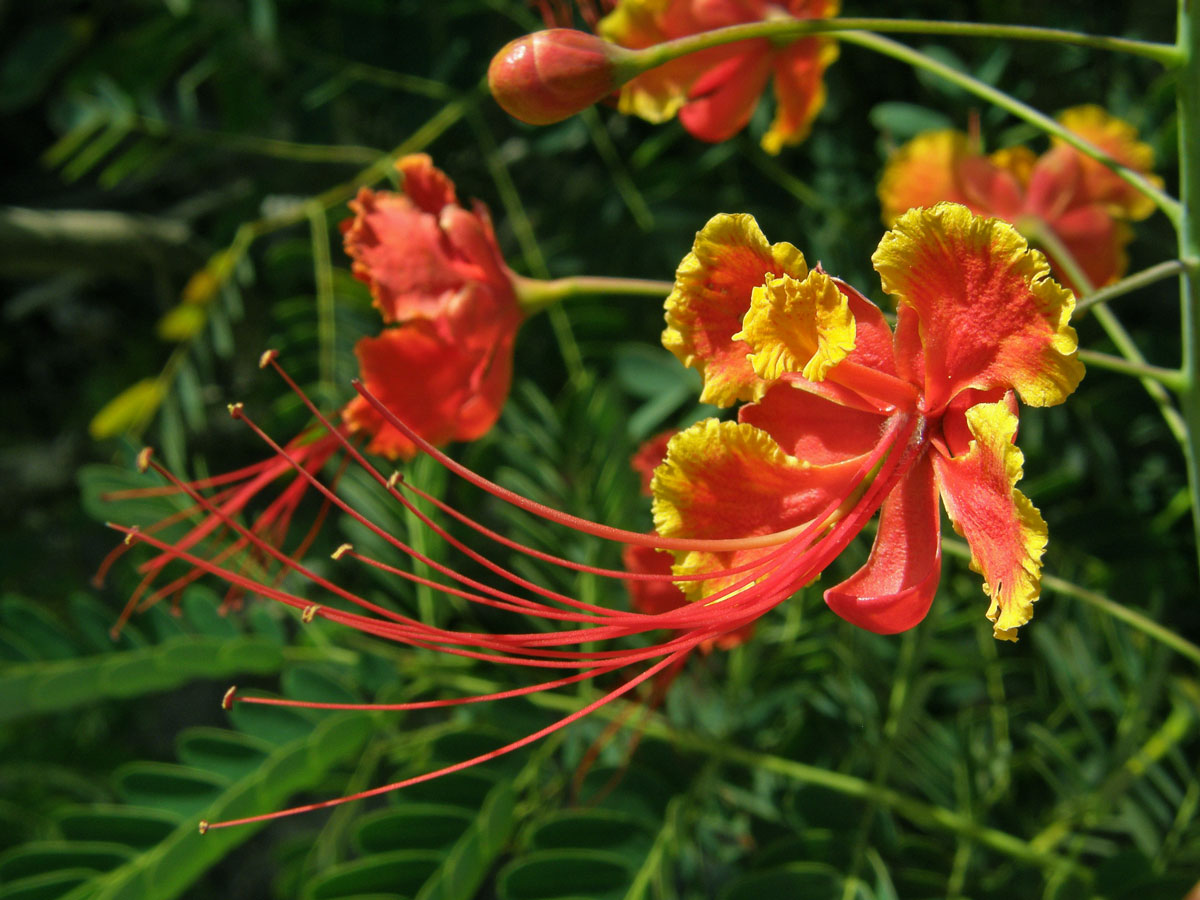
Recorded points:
(465, 764)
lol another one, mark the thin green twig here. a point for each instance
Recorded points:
(784, 29)
(1171, 378)
(1131, 283)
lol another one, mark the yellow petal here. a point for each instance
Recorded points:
(798, 326)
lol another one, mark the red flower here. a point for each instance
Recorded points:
(714, 91)
(436, 272)
(1079, 201)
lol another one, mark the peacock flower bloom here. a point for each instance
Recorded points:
(1064, 192)
(846, 419)
(714, 91)
(979, 324)
(436, 273)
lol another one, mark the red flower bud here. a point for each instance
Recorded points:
(547, 76)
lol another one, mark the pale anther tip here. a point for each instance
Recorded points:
(227, 700)
(394, 479)
(309, 613)
(131, 535)
(143, 458)
(268, 357)
(235, 410)
(203, 826)
(341, 551)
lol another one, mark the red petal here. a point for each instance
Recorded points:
(722, 100)
(425, 184)
(894, 590)
(439, 388)
(812, 428)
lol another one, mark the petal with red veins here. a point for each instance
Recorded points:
(712, 292)
(1005, 532)
(728, 480)
(894, 590)
(987, 313)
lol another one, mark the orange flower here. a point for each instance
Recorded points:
(434, 270)
(714, 91)
(1064, 192)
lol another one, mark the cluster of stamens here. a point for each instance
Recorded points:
(789, 560)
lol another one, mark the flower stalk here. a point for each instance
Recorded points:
(1188, 106)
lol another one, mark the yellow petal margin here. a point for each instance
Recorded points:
(990, 315)
(727, 480)
(713, 289)
(1006, 533)
(798, 326)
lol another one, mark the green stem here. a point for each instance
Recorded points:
(1188, 106)
(1171, 378)
(536, 294)
(1129, 616)
(248, 143)
(1133, 282)
(785, 29)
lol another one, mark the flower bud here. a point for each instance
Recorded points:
(547, 76)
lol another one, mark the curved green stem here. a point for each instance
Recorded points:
(631, 63)
(785, 29)
(536, 294)
(1188, 106)
(1171, 378)
(1133, 282)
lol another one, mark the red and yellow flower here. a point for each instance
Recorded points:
(980, 323)
(714, 92)
(1079, 201)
